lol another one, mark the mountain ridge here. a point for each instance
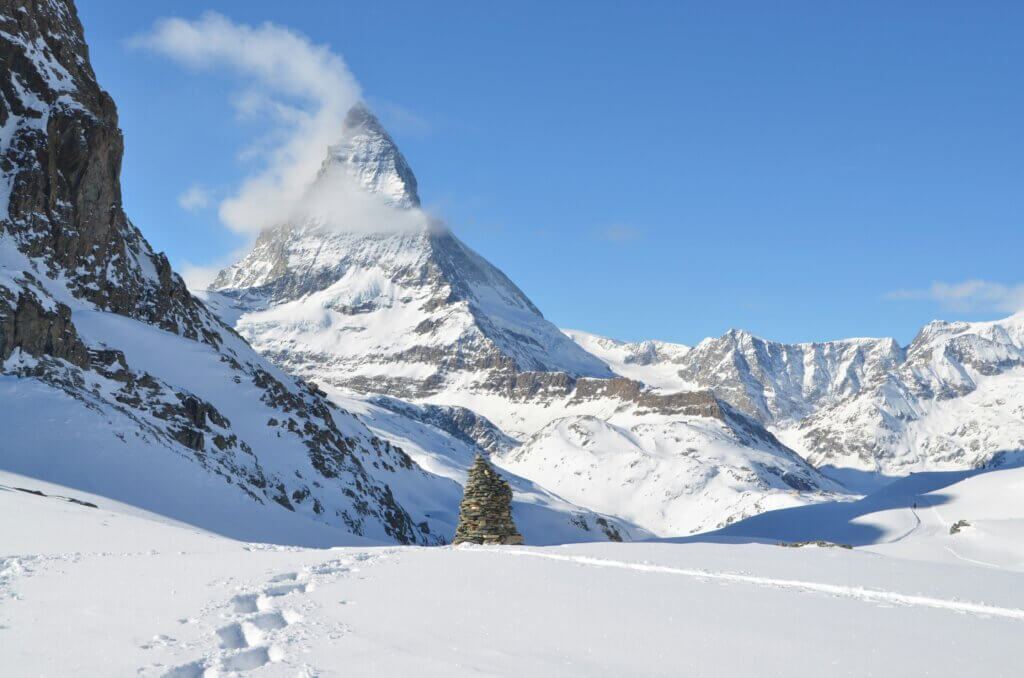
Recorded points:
(870, 403)
(446, 304)
(414, 315)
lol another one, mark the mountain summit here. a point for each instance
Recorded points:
(370, 158)
(401, 307)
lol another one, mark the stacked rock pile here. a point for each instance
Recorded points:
(485, 514)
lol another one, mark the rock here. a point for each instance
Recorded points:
(485, 514)
(27, 325)
(958, 525)
(819, 544)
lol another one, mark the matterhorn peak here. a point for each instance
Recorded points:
(368, 155)
(381, 288)
(360, 117)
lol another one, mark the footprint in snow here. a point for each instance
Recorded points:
(252, 638)
(190, 670)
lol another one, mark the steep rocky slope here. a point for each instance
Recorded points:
(114, 378)
(955, 402)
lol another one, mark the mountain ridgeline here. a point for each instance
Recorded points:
(950, 400)
(337, 381)
(408, 317)
(414, 314)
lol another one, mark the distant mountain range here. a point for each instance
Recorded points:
(950, 400)
(674, 438)
(336, 382)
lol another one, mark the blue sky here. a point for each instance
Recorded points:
(803, 170)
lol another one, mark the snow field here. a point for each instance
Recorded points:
(110, 591)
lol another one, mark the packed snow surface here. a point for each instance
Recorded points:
(110, 590)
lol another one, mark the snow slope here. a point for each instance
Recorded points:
(670, 474)
(914, 517)
(106, 591)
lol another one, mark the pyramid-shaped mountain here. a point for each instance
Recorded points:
(364, 290)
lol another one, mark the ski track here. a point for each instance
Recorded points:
(852, 592)
(257, 626)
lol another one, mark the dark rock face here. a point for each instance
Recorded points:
(485, 514)
(459, 422)
(37, 331)
(63, 165)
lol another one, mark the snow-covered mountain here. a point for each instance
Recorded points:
(115, 380)
(367, 298)
(956, 401)
(655, 363)
(379, 297)
(672, 472)
(952, 399)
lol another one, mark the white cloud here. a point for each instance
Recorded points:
(194, 198)
(335, 200)
(970, 295)
(198, 278)
(304, 89)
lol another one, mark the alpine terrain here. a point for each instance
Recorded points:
(950, 400)
(375, 301)
(116, 380)
(365, 452)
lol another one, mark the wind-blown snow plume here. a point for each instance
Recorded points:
(335, 200)
(304, 88)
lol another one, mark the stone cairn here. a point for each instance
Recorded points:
(485, 514)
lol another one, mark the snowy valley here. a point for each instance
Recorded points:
(909, 599)
(264, 477)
